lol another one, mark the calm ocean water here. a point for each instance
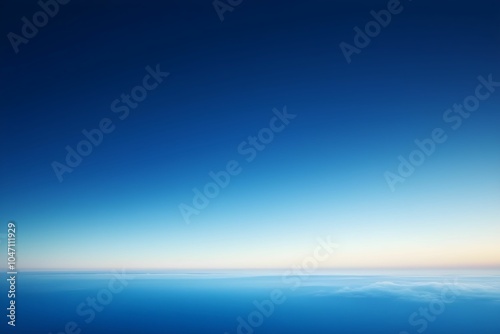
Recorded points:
(201, 303)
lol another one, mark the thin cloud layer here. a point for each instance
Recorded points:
(417, 289)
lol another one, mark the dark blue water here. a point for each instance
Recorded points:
(95, 303)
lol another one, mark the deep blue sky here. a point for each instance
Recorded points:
(323, 175)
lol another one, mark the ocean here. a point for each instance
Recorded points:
(95, 303)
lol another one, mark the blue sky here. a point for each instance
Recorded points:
(322, 175)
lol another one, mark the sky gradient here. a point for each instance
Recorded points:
(322, 175)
